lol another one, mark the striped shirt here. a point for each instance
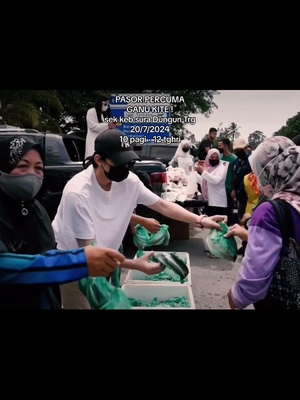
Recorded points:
(27, 280)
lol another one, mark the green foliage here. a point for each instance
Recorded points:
(36, 109)
(231, 132)
(255, 138)
(65, 110)
(291, 129)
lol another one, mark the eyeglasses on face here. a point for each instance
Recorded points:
(105, 103)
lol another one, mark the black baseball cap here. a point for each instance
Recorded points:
(114, 144)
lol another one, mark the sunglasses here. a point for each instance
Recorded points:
(105, 104)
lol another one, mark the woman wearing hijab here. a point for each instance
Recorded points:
(276, 163)
(182, 158)
(29, 279)
(95, 119)
(265, 152)
(212, 180)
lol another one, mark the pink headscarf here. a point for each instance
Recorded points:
(207, 167)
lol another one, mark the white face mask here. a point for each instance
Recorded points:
(104, 107)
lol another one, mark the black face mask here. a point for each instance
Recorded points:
(221, 151)
(241, 154)
(186, 149)
(116, 174)
(214, 163)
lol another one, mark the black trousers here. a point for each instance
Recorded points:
(229, 210)
(211, 211)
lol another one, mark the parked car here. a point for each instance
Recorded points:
(157, 151)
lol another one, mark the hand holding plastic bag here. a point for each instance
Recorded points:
(220, 246)
(102, 295)
(143, 238)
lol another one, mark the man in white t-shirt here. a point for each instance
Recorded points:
(95, 119)
(97, 205)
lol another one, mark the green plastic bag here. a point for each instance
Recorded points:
(223, 248)
(143, 238)
(102, 295)
(169, 274)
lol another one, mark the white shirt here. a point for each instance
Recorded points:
(87, 212)
(216, 189)
(94, 128)
(186, 163)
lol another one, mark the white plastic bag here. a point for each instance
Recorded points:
(192, 186)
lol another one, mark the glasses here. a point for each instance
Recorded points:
(105, 104)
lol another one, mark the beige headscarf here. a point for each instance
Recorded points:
(276, 163)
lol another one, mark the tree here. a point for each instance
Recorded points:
(65, 110)
(291, 129)
(195, 101)
(36, 109)
(255, 138)
(75, 105)
(231, 132)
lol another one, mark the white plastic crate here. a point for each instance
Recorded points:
(147, 293)
(138, 277)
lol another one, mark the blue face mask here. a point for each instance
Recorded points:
(20, 187)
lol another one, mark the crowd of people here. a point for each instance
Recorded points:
(224, 175)
(253, 178)
(43, 261)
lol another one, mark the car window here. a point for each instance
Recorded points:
(75, 148)
(164, 152)
(56, 152)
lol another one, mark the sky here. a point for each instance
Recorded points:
(262, 110)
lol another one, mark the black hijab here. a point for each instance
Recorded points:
(20, 233)
(98, 108)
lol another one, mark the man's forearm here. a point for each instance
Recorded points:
(174, 211)
(52, 267)
(130, 264)
(137, 220)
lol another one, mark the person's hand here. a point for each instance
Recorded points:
(199, 168)
(102, 261)
(230, 300)
(111, 125)
(212, 222)
(152, 225)
(239, 231)
(244, 219)
(142, 264)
